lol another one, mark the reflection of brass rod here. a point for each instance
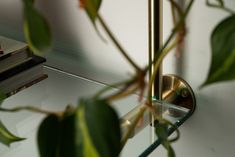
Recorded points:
(173, 89)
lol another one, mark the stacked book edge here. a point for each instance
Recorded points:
(19, 68)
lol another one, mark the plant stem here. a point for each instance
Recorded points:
(28, 108)
(102, 91)
(219, 6)
(117, 44)
(157, 64)
(123, 93)
(173, 14)
(176, 6)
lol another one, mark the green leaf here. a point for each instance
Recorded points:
(162, 133)
(36, 29)
(49, 137)
(6, 137)
(92, 130)
(71, 139)
(100, 128)
(223, 52)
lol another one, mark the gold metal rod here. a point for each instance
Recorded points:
(155, 41)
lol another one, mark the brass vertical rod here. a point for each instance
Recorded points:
(155, 41)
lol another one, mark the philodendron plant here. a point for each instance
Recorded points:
(92, 127)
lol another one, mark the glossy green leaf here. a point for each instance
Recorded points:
(90, 131)
(6, 137)
(162, 133)
(100, 128)
(36, 29)
(71, 138)
(223, 52)
(57, 137)
(49, 137)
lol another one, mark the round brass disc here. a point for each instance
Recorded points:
(178, 92)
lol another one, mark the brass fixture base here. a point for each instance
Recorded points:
(174, 91)
(177, 91)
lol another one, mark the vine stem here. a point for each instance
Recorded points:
(122, 94)
(157, 64)
(29, 108)
(221, 6)
(116, 85)
(117, 44)
(173, 14)
(174, 5)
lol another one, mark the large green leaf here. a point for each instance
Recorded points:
(223, 52)
(162, 133)
(100, 128)
(90, 131)
(6, 137)
(36, 29)
(49, 137)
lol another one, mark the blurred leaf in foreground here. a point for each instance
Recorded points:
(92, 130)
(36, 29)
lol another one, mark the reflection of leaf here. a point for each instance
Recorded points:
(6, 137)
(36, 29)
(90, 131)
(162, 133)
(2, 97)
(223, 52)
